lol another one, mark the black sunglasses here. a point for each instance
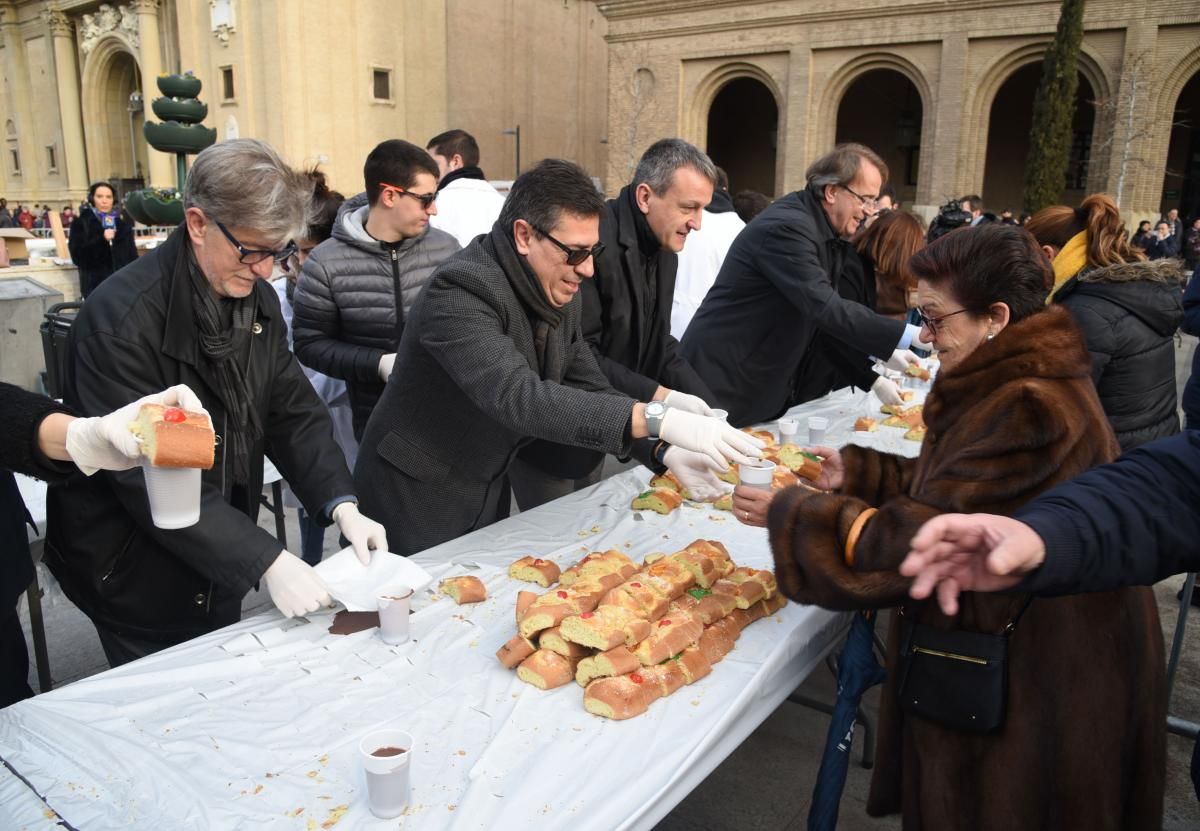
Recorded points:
(426, 199)
(575, 256)
(254, 256)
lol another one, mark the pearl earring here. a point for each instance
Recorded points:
(990, 334)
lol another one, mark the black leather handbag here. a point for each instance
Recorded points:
(956, 678)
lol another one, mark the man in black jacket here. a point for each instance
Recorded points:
(493, 357)
(777, 288)
(627, 307)
(198, 311)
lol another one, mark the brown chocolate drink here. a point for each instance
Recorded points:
(389, 751)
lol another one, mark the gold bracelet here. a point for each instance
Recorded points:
(856, 528)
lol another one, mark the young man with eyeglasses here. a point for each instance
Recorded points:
(494, 357)
(627, 308)
(778, 287)
(198, 310)
(356, 288)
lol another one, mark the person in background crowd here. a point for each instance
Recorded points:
(1013, 413)
(1191, 245)
(357, 288)
(6, 218)
(24, 218)
(1191, 325)
(887, 202)
(1174, 223)
(198, 310)
(950, 217)
(777, 289)
(1023, 218)
(1127, 308)
(494, 356)
(749, 204)
(1163, 244)
(101, 239)
(701, 259)
(1143, 238)
(467, 205)
(67, 216)
(40, 437)
(321, 216)
(626, 316)
(1007, 218)
(973, 205)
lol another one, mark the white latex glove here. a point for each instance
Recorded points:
(688, 403)
(361, 532)
(295, 588)
(385, 366)
(695, 472)
(901, 359)
(887, 391)
(710, 436)
(105, 443)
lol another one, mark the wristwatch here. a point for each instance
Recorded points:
(655, 410)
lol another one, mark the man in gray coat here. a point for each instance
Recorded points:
(356, 288)
(494, 357)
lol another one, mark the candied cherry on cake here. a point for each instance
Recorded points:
(174, 415)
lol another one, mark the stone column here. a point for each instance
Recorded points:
(162, 165)
(945, 180)
(17, 68)
(792, 152)
(69, 111)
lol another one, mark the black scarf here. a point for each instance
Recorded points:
(217, 340)
(721, 202)
(461, 173)
(543, 317)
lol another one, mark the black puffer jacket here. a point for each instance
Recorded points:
(344, 310)
(1129, 314)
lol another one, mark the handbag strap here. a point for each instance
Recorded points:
(1012, 624)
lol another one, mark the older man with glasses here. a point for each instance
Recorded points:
(778, 287)
(198, 311)
(356, 289)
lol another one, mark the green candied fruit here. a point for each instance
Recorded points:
(812, 456)
(644, 494)
(699, 593)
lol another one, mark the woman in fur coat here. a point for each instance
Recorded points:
(1012, 412)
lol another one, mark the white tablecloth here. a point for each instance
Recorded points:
(256, 726)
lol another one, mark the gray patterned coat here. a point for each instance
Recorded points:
(468, 391)
(344, 317)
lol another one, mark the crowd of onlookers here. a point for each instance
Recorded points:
(37, 217)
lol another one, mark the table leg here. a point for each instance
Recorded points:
(37, 626)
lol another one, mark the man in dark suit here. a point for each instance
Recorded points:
(493, 357)
(777, 289)
(627, 307)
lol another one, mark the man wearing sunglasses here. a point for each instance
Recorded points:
(493, 357)
(198, 310)
(627, 309)
(356, 288)
(778, 287)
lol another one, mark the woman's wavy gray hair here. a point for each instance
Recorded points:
(245, 183)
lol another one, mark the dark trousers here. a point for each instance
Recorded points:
(14, 661)
(312, 539)
(119, 649)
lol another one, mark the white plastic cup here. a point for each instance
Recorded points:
(385, 759)
(817, 425)
(788, 428)
(393, 614)
(757, 474)
(174, 494)
(723, 415)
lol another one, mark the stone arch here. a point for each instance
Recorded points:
(110, 72)
(854, 70)
(977, 113)
(1179, 144)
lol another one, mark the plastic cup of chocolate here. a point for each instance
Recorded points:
(757, 474)
(385, 759)
(174, 494)
(723, 415)
(817, 425)
(788, 428)
(393, 614)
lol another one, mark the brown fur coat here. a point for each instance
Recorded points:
(1084, 743)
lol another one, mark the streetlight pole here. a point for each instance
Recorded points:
(135, 106)
(516, 132)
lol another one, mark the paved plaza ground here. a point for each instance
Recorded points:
(766, 783)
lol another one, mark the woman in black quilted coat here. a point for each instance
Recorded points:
(1128, 308)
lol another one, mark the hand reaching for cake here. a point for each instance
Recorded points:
(294, 586)
(362, 533)
(106, 443)
(695, 472)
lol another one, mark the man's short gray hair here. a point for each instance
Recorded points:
(840, 165)
(243, 182)
(658, 164)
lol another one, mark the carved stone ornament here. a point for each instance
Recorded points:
(120, 20)
(221, 16)
(57, 22)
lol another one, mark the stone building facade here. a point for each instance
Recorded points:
(943, 90)
(322, 80)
